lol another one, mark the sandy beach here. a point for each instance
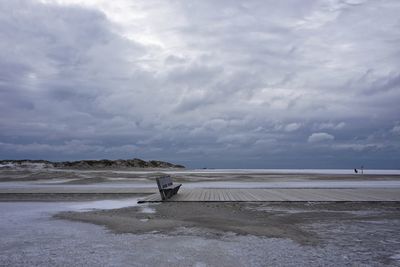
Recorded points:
(58, 229)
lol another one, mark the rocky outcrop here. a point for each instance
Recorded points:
(90, 164)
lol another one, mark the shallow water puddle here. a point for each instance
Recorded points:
(104, 204)
(111, 204)
(147, 209)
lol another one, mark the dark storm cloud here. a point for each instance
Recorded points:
(203, 83)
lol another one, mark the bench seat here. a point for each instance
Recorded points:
(172, 186)
(166, 187)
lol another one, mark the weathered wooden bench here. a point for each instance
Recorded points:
(166, 187)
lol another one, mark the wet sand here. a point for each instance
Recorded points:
(280, 220)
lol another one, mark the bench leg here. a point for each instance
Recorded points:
(163, 195)
(176, 190)
(170, 193)
(166, 194)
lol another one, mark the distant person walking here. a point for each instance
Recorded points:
(362, 170)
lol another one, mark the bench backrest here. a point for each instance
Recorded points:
(163, 182)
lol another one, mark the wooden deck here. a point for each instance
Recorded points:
(265, 195)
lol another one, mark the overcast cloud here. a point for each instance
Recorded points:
(266, 84)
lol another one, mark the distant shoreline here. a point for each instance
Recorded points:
(90, 164)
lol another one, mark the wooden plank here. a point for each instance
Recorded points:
(294, 195)
(203, 195)
(214, 194)
(284, 194)
(261, 194)
(340, 195)
(189, 195)
(244, 196)
(208, 195)
(229, 194)
(271, 195)
(211, 194)
(365, 195)
(218, 195)
(196, 195)
(177, 197)
(225, 195)
(236, 195)
(252, 194)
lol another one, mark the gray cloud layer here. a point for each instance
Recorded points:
(203, 83)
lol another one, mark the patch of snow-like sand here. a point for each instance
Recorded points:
(296, 184)
(220, 184)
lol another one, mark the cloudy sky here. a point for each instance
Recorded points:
(229, 84)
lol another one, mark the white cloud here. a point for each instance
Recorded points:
(291, 127)
(358, 147)
(320, 137)
(331, 125)
(396, 129)
(74, 147)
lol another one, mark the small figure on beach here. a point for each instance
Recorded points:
(355, 170)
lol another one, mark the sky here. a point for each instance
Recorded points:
(216, 84)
